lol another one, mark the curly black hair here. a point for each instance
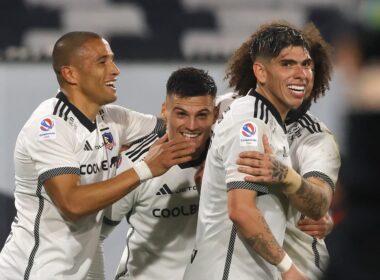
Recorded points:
(268, 41)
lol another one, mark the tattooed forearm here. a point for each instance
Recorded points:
(266, 245)
(279, 170)
(314, 200)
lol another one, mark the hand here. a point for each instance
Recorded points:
(198, 176)
(262, 167)
(294, 274)
(319, 229)
(164, 154)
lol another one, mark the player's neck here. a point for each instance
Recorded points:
(87, 108)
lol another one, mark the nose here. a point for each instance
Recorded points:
(300, 71)
(191, 123)
(115, 69)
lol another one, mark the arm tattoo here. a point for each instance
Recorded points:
(313, 198)
(279, 170)
(266, 247)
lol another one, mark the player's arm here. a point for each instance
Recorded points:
(75, 200)
(252, 226)
(311, 196)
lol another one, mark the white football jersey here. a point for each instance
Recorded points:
(314, 153)
(58, 139)
(220, 253)
(162, 216)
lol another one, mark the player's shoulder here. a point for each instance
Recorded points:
(309, 128)
(138, 150)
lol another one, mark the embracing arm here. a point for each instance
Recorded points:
(75, 200)
(311, 196)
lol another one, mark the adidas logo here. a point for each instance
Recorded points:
(164, 190)
(87, 146)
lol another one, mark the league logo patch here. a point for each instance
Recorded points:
(108, 140)
(47, 129)
(248, 134)
(46, 124)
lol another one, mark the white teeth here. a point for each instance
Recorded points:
(297, 88)
(190, 135)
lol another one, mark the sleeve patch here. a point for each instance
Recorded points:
(47, 129)
(248, 134)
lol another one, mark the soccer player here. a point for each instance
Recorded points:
(241, 225)
(314, 155)
(162, 212)
(65, 161)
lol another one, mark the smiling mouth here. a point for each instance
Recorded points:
(297, 89)
(111, 84)
(190, 135)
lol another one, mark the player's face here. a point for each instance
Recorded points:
(288, 78)
(190, 117)
(97, 72)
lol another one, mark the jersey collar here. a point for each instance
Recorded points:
(78, 114)
(270, 106)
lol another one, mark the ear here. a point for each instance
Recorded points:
(69, 74)
(260, 72)
(163, 112)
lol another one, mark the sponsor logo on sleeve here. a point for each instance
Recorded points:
(47, 129)
(248, 134)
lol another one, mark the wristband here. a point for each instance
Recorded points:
(143, 171)
(285, 264)
(292, 182)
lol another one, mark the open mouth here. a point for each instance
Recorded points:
(190, 135)
(298, 90)
(111, 84)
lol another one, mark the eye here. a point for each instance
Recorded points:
(181, 114)
(203, 115)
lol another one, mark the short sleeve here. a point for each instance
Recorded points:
(132, 125)
(319, 157)
(51, 144)
(242, 136)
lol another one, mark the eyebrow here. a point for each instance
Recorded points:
(294, 61)
(204, 110)
(106, 56)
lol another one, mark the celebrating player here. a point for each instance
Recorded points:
(65, 161)
(162, 212)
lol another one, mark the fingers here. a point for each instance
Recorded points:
(161, 140)
(251, 155)
(267, 148)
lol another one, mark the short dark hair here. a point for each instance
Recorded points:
(66, 46)
(189, 82)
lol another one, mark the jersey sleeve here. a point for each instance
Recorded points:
(52, 144)
(319, 157)
(243, 135)
(132, 125)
